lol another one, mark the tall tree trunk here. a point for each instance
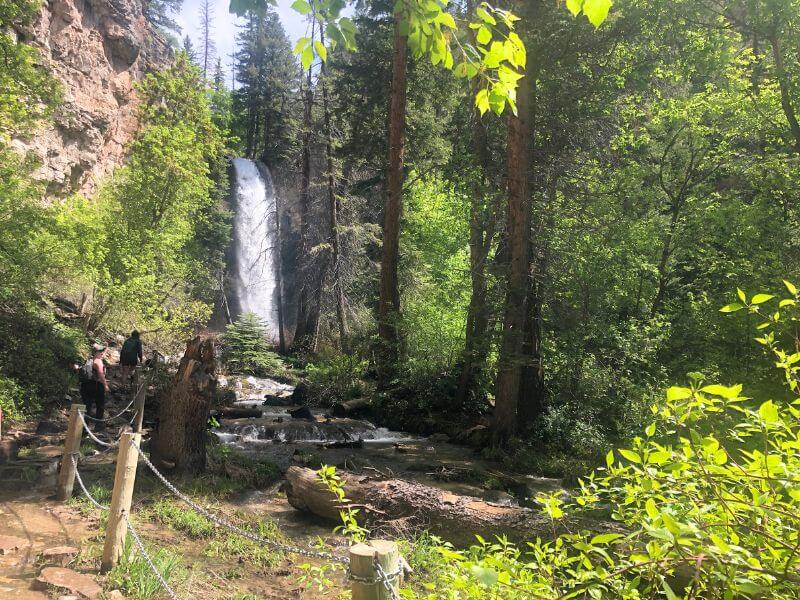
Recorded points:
(305, 329)
(481, 234)
(663, 263)
(389, 301)
(179, 442)
(333, 217)
(783, 84)
(532, 392)
(518, 219)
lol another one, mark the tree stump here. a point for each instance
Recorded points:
(179, 442)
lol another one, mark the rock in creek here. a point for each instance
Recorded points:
(303, 413)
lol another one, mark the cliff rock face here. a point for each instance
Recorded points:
(98, 49)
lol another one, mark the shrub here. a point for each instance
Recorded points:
(705, 509)
(246, 350)
(36, 354)
(338, 379)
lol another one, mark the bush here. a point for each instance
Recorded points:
(245, 349)
(36, 355)
(338, 379)
(705, 510)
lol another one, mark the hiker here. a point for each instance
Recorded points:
(94, 386)
(130, 355)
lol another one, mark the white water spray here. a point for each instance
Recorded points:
(256, 238)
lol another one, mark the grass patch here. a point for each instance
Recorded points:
(228, 545)
(134, 578)
(176, 515)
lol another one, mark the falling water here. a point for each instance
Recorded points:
(256, 244)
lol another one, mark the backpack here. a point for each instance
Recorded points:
(86, 372)
(129, 352)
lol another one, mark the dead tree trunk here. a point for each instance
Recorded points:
(393, 502)
(179, 442)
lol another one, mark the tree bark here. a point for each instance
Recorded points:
(389, 300)
(481, 235)
(518, 219)
(532, 390)
(453, 517)
(783, 84)
(305, 330)
(180, 438)
(333, 218)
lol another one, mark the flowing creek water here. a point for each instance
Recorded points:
(360, 446)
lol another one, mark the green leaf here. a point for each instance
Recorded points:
(631, 455)
(487, 577)
(301, 6)
(768, 412)
(485, 16)
(730, 308)
(482, 101)
(678, 393)
(575, 7)
(484, 36)
(610, 459)
(597, 11)
(761, 298)
(721, 390)
(322, 51)
(650, 430)
(447, 20)
(741, 295)
(301, 45)
(651, 508)
(307, 57)
(791, 287)
(605, 538)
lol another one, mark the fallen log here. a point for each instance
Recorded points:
(351, 407)
(453, 517)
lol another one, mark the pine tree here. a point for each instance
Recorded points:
(188, 47)
(266, 71)
(161, 13)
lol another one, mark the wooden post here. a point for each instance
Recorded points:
(121, 496)
(137, 371)
(365, 582)
(72, 446)
(141, 395)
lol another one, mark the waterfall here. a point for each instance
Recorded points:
(256, 245)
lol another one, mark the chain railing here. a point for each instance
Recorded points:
(134, 534)
(221, 522)
(94, 438)
(113, 417)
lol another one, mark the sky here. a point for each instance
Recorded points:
(225, 26)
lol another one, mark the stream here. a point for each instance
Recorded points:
(360, 446)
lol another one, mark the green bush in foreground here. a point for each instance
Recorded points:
(706, 504)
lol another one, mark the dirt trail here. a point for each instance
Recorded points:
(40, 524)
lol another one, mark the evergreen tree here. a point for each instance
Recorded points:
(267, 75)
(188, 48)
(161, 13)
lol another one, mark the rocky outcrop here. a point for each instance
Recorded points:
(98, 49)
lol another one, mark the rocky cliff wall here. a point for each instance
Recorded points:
(98, 49)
